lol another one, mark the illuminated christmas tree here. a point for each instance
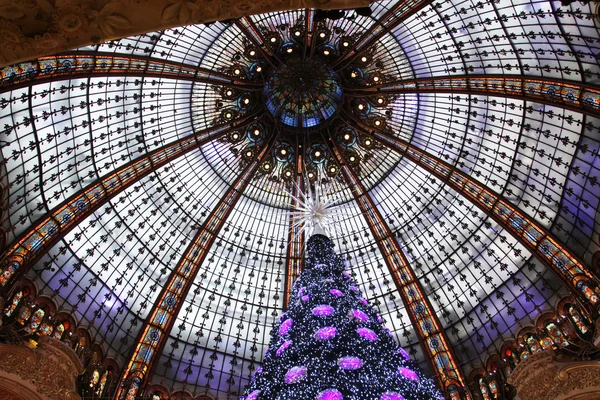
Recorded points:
(331, 344)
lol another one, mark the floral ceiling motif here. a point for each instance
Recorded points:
(31, 28)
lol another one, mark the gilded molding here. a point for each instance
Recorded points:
(542, 377)
(49, 371)
(33, 28)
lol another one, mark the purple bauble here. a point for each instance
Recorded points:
(350, 362)
(253, 395)
(326, 333)
(301, 291)
(306, 297)
(408, 373)
(295, 374)
(403, 353)
(330, 394)
(336, 293)
(367, 333)
(284, 346)
(347, 275)
(359, 315)
(286, 326)
(354, 289)
(379, 319)
(391, 396)
(323, 310)
(363, 300)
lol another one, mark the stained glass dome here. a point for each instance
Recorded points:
(147, 183)
(303, 94)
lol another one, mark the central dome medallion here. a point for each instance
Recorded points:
(303, 93)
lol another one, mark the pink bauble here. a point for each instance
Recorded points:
(329, 394)
(336, 293)
(363, 300)
(301, 291)
(350, 362)
(354, 289)
(379, 319)
(253, 395)
(367, 333)
(408, 373)
(359, 315)
(391, 396)
(305, 298)
(326, 333)
(323, 310)
(295, 374)
(284, 346)
(286, 326)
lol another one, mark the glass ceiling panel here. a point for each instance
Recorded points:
(142, 234)
(67, 134)
(518, 37)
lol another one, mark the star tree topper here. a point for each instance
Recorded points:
(314, 212)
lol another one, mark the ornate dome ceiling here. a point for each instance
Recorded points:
(158, 167)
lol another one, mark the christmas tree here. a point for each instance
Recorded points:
(331, 344)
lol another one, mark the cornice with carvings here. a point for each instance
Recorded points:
(33, 28)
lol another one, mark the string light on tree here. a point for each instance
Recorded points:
(330, 344)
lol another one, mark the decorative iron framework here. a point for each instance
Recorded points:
(396, 15)
(81, 65)
(295, 242)
(432, 338)
(541, 242)
(162, 317)
(53, 227)
(571, 95)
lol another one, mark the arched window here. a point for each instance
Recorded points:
(587, 291)
(36, 320)
(95, 378)
(557, 335)
(58, 331)
(578, 320)
(134, 388)
(532, 344)
(483, 388)
(102, 384)
(24, 314)
(493, 385)
(523, 352)
(510, 361)
(14, 303)
(46, 329)
(453, 393)
(546, 342)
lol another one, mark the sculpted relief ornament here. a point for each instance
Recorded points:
(33, 28)
(541, 377)
(46, 373)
